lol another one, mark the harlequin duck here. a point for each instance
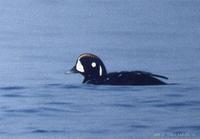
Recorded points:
(94, 72)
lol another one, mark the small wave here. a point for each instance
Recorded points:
(176, 104)
(174, 95)
(12, 95)
(139, 126)
(50, 109)
(62, 86)
(120, 105)
(184, 128)
(53, 85)
(41, 111)
(151, 101)
(12, 88)
(92, 87)
(179, 104)
(71, 86)
(22, 111)
(59, 103)
(47, 131)
(100, 131)
(95, 131)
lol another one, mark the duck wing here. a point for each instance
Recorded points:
(133, 78)
(150, 74)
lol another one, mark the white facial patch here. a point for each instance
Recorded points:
(100, 70)
(93, 64)
(79, 66)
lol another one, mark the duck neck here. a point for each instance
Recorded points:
(93, 78)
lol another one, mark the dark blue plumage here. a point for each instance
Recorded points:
(94, 72)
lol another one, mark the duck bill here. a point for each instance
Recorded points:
(73, 70)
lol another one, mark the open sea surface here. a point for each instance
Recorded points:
(41, 39)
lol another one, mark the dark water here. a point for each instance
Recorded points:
(40, 40)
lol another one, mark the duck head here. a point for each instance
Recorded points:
(90, 66)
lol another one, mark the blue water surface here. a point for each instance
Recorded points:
(41, 39)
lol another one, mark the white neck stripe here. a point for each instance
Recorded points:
(100, 71)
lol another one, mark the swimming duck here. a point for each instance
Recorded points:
(94, 72)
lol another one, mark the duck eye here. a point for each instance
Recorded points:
(93, 64)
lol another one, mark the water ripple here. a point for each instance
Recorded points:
(95, 131)
(12, 88)
(22, 111)
(151, 101)
(61, 86)
(183, 128)
(47, 131)
(174, 95)
(121, 105)
(178, 104)
(12, 95)
(59, 103)
(139, 126)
